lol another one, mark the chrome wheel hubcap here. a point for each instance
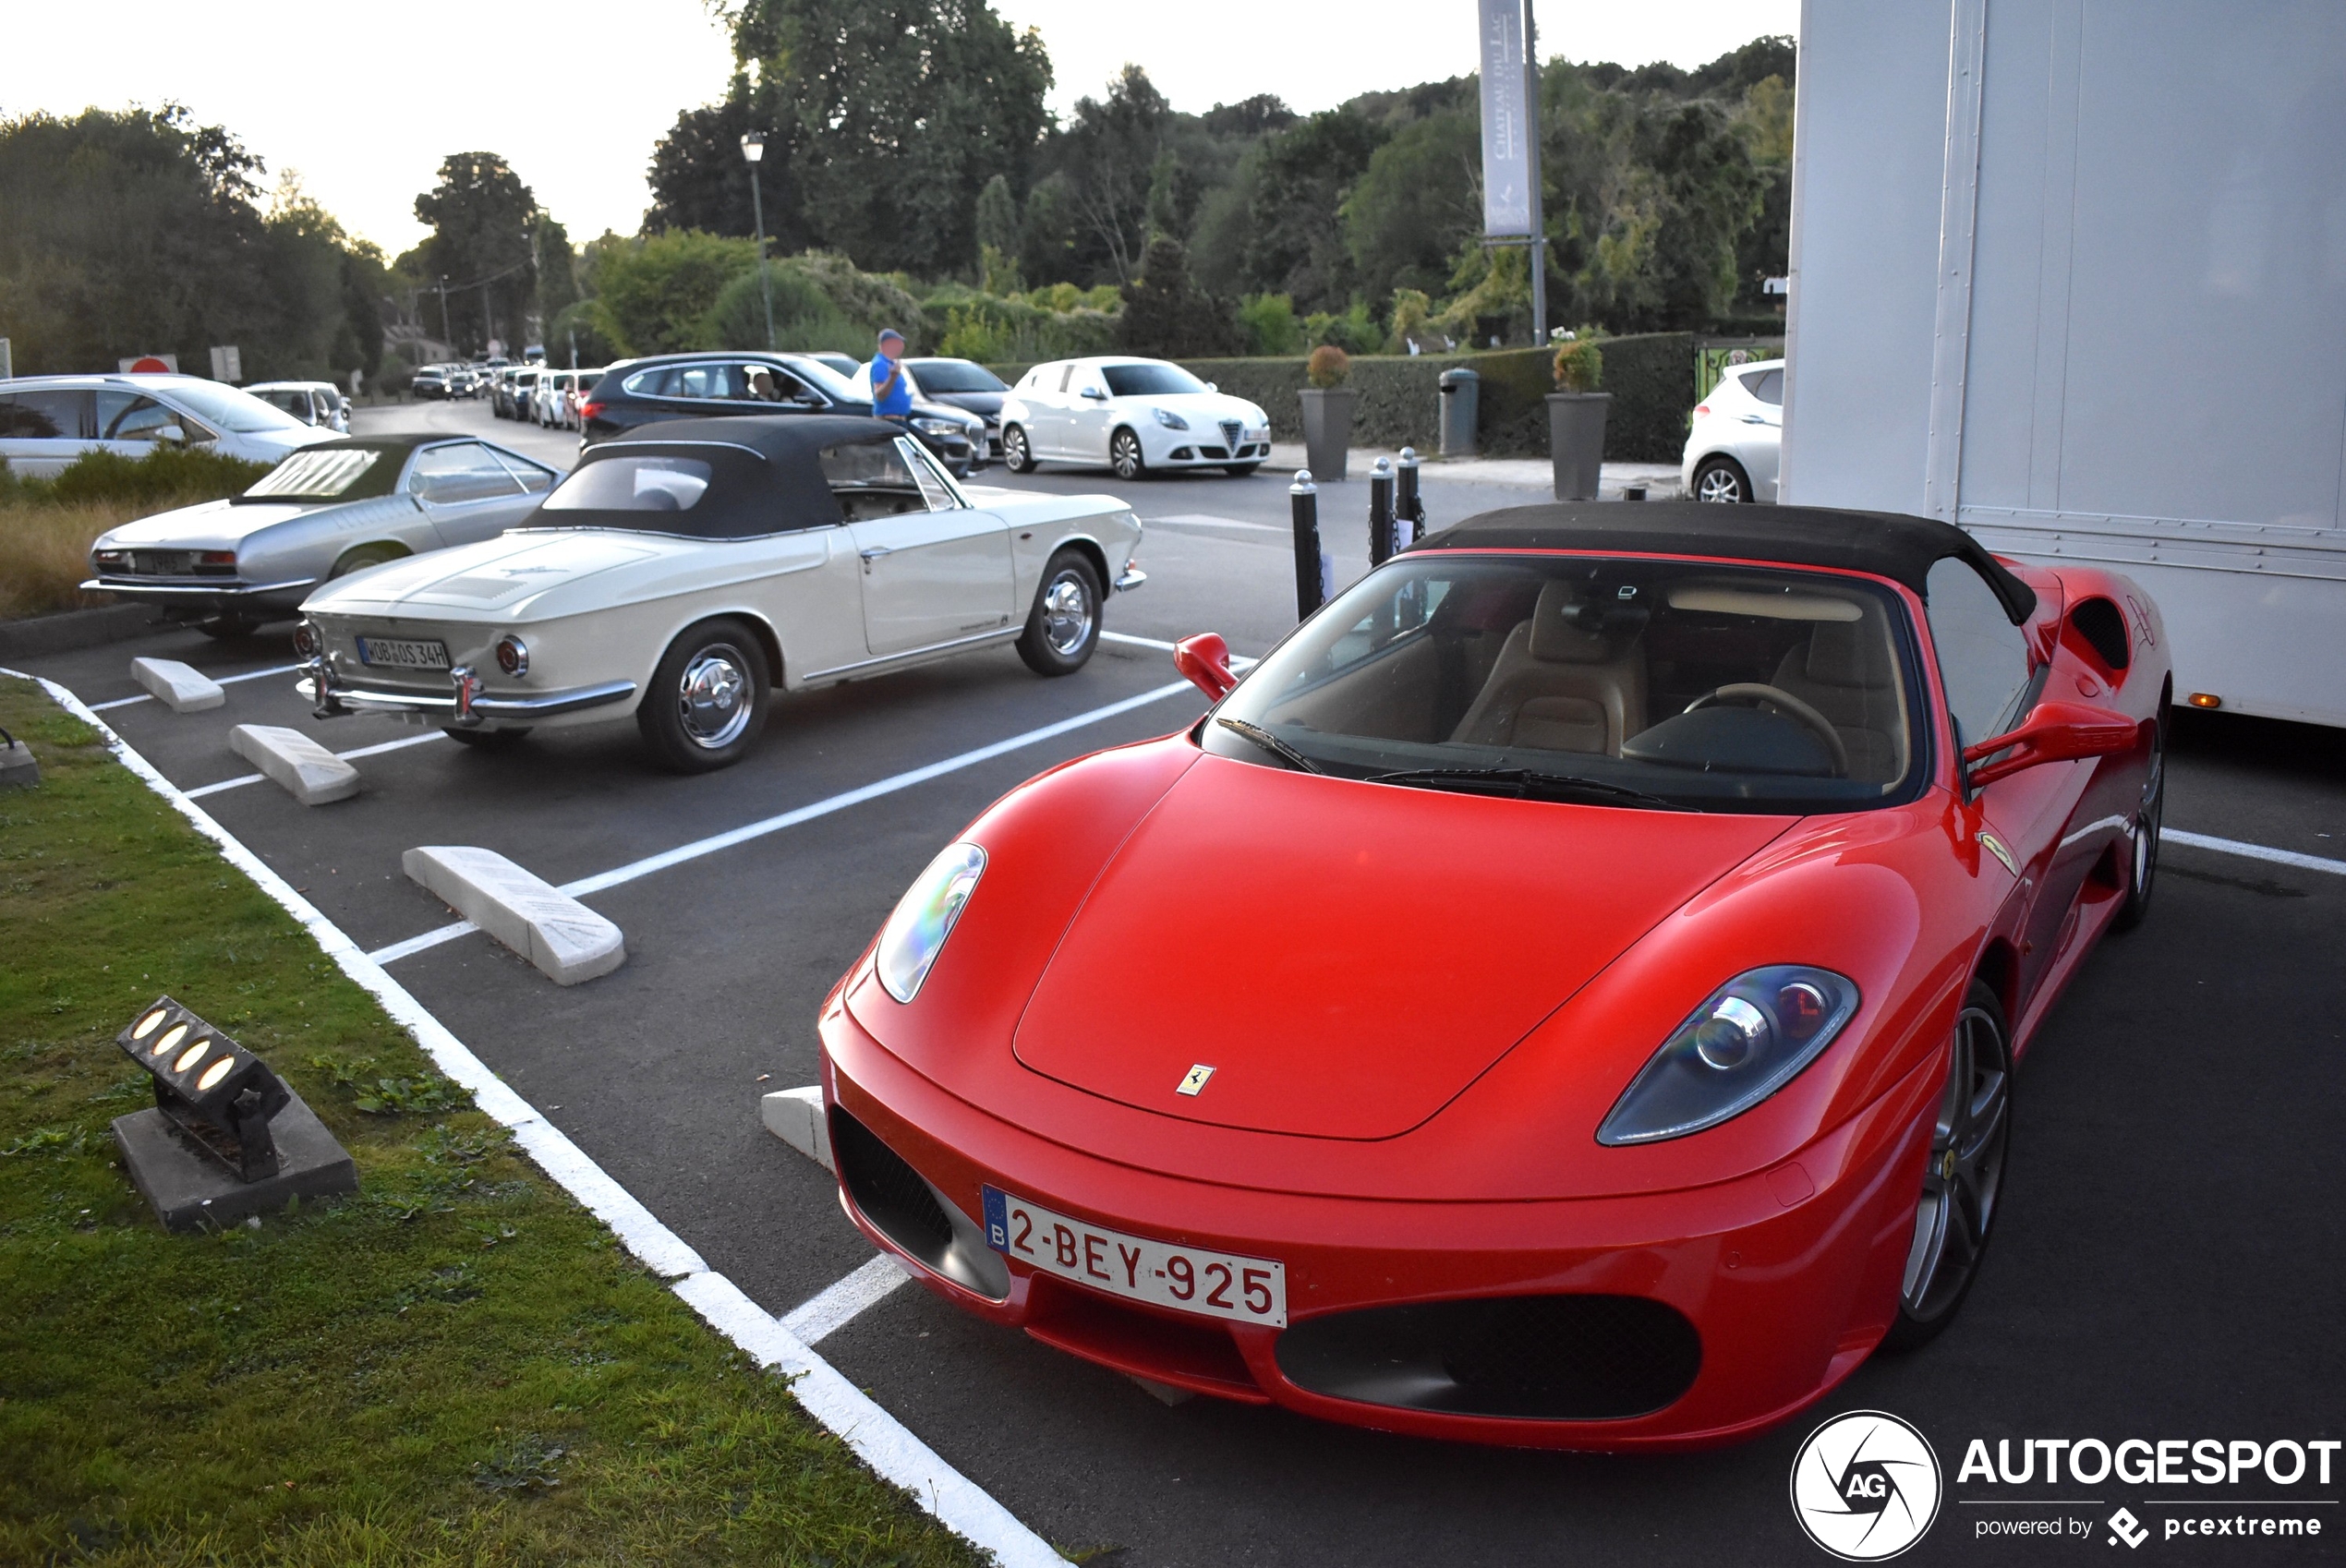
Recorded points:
(1127, 457)
(714, 696)
(1965, 1172)
(1067, 614)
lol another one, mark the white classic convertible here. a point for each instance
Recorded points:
(682, 575)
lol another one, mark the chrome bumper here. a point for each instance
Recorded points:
(462, 707)
(192, 588)
(1133, 577)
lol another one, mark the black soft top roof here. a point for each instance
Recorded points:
(766, 476)
(1884, 544)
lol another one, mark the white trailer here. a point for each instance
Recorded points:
(2071, 273)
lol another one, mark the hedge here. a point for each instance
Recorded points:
(1651, 377)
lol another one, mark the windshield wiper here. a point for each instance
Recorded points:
(1525, 784)
(1271, 743)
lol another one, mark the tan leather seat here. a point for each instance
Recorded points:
(1554, 687)
(1844, 672)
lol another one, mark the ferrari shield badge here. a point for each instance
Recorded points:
(1194, 1080)
(1995, 846)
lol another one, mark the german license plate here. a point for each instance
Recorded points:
(1188, 1279)
(400, 654)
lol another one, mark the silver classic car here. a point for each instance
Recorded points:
(683, 573)
(324, 512)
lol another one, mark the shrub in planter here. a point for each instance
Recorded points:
(1576, 420)
(1328, 411)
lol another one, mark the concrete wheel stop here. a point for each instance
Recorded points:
(180, 687)
(309, 773)
(565, 940)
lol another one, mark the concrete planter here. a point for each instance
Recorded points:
(1575, 442)
(1327, 429)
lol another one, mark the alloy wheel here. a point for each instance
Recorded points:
(1124, 455)
(714, 696)
(1068, 614)
(1966, 1174)
(1718, 484)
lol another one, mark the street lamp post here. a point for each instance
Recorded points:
(754, 150)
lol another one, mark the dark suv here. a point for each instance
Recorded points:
(636, 393)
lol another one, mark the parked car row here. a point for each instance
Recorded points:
(48, 421)
(541, 394)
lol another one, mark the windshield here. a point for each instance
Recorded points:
(633, 483)
(956, 376)
(228, 407)
(1146, 380)
(836, 386)
(334, 472)
(1595, 678)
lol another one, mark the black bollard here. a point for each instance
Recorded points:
(1304, 498)
(1381, 512)
(1406, 506)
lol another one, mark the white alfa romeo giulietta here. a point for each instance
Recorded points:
(683, 575)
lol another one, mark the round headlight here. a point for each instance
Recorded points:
(513, 654)
(1726, 1039)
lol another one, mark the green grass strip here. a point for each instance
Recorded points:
(458, 1365)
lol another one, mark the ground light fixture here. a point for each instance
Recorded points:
(213, 1089)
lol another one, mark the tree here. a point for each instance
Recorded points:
(655, 295)
(1418, 200)
(1168, 316)
(700, 180)
(1109, 158)
(139, 232)
(482, 220)
(895, 115)
(1295, 244)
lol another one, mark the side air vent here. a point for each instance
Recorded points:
(2104, 629)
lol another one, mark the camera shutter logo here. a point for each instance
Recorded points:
(1865, 1486)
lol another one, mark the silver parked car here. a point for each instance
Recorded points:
(324, 512)
(46, 422)
(312, 403)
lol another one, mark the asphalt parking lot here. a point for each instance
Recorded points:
(2168, 1264)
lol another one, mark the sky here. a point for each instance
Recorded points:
(574, 95)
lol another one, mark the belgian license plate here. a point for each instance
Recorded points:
(1188, 1279)
(400, 654)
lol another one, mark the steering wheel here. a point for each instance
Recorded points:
(1756, 692)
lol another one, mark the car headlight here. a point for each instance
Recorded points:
(1747, 1041)
(939, 427)
(1170, 419)
(925, 917)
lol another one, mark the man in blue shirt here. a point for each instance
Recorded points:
(891, 388)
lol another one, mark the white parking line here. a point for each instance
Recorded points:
(826, 1314)
(838, 803)
(2253, 852)
(876, 1437)
(239, 782)
(223, 680)
(1207, 519)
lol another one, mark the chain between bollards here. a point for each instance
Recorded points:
(1310, 560)
(1408, 509)
(1381, 512)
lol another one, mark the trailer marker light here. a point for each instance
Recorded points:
(2205, 699)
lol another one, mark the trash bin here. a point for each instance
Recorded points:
(1461, 395)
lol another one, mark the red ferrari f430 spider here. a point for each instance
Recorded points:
(1566, 994)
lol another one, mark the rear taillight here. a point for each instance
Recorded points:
(305, 640)
(590, 411)
(1701, 409)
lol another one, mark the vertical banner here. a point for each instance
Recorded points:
(1507, 123)
(227, 364)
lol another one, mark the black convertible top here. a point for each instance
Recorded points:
(766, 476)
(1884, 544)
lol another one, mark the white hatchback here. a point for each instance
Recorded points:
(1731, 452)
(48, 421)
(1131, 415)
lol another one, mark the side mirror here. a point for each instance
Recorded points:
(1211, 386)
(2053, 732)
(1094, 395)
(1205, 661)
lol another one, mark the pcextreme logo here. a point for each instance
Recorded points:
(1865, 1486)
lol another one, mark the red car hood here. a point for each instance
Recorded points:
(1348, 957)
